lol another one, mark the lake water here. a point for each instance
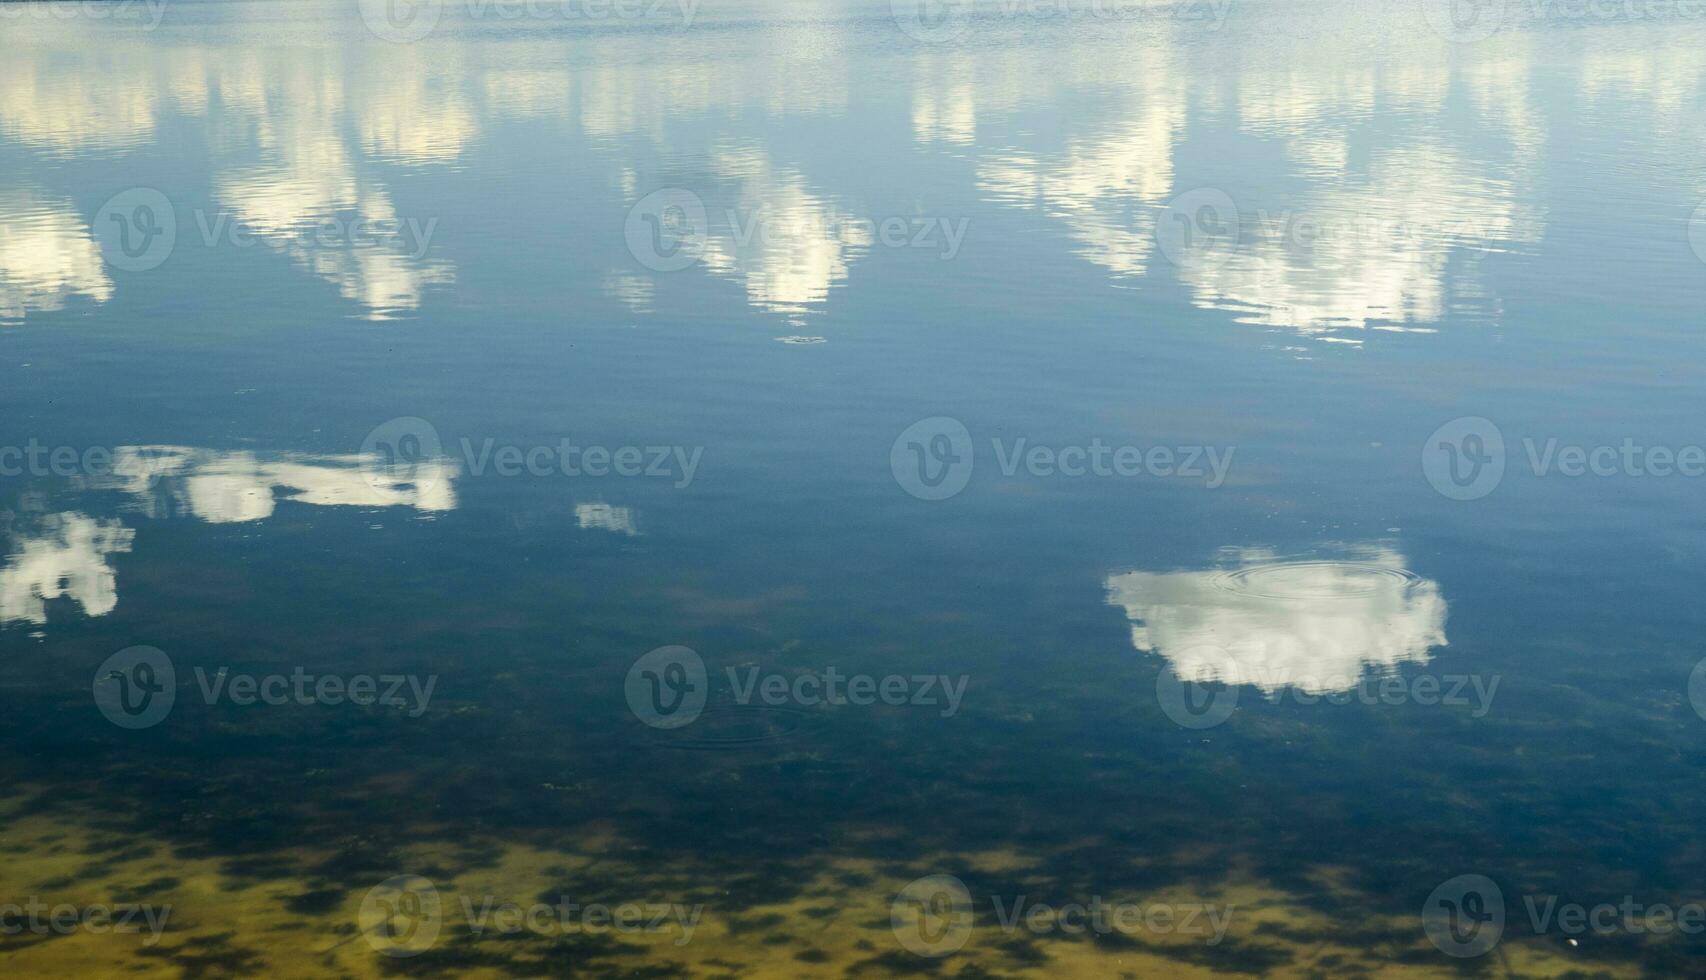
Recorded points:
(842, 488)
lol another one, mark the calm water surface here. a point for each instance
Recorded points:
(1028, 418)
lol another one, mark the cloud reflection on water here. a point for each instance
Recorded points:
(233, 487)
(1369, 197)
(1313, 625)
(67, 555)
(47, 256)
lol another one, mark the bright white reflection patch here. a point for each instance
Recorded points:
(1312, 625)
(788, 246)
(67, 557)
(232, 487)
(46, 256)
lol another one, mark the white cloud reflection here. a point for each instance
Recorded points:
(1103, 186)
(1390, 222)
(788, 246)
(47, 256)
(232, 487)
(1415, 158)
(67, 556)
(412, 108)
(1315, 625)
(48, 100)
(1356, 223)
(1374, 249)
(305, 124)
(313, 174)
